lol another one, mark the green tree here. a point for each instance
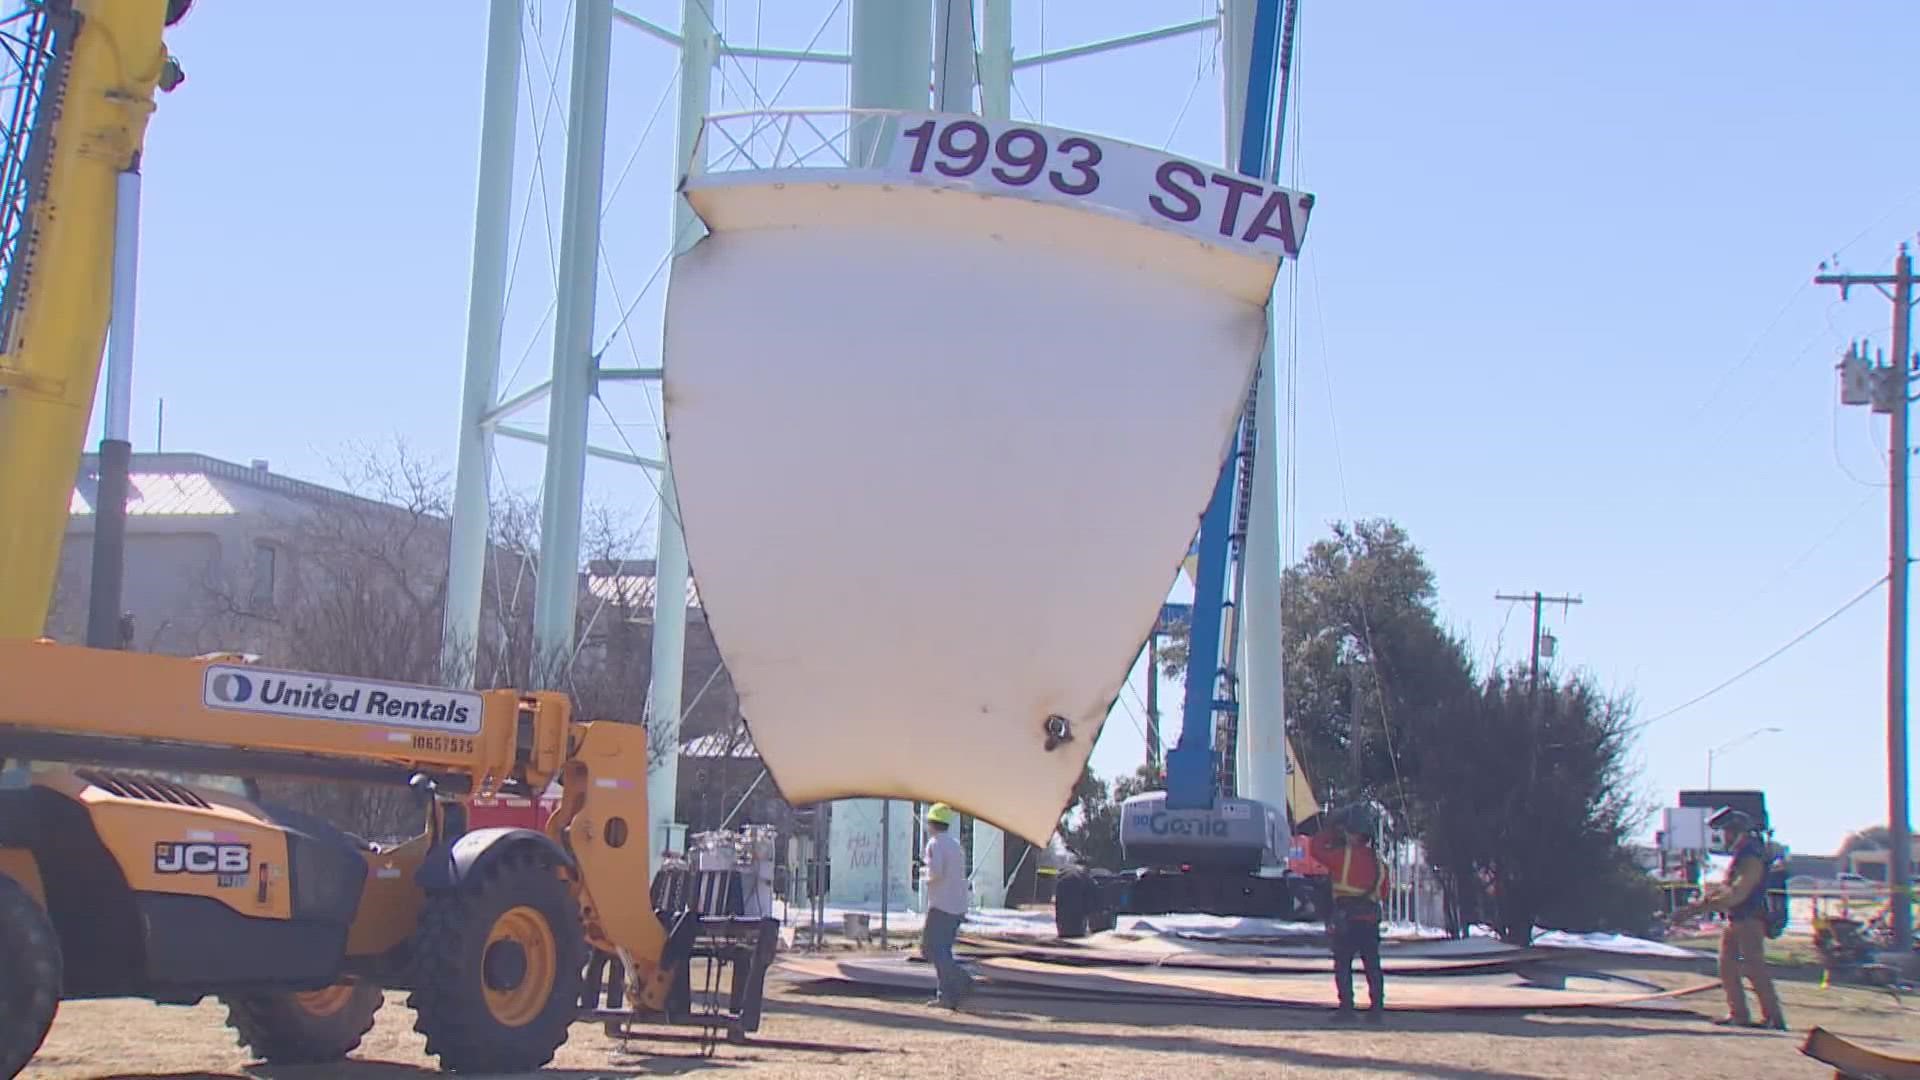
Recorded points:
(1871, 838)
(1365, 654)
(1528, 791)
(1094, 837)
(1521, 801)
(1363, 649)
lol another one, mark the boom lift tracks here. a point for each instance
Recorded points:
(119, 880)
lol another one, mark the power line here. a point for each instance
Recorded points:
(1763, 661)
(1774, 582)
(1876, 223)
(1726, 377)
(1841, 462)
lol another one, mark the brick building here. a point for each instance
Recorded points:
(217, 554)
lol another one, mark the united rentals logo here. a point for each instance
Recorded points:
(288, 693)
(231, 689)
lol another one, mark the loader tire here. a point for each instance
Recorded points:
(1101, 919)
(1072, 897)
(286, 1027)
(30, 986)
(500, 962)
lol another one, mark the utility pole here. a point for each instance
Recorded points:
(1893, 395)
(1538, 601)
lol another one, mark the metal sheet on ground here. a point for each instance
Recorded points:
(1460, 992)
(1301, 946)
(1303, 941)
(1176, 957)
(892, 973)
(1464, 992)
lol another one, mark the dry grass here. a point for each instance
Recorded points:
(899, 1039)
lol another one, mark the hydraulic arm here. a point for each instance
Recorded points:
(88, 80)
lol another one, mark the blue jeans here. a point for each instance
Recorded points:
(936, 945)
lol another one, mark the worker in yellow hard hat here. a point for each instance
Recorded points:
(946, 883)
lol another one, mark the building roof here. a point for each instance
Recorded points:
(716, 746)
(1820, 866)
(168, 485)
(162, 494)
(195, 485)
(629, 582)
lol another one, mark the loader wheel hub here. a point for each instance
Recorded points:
(520, 966)
(505, 966)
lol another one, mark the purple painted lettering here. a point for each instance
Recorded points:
(1274, 219)
(1189, 203)
(1237, 189)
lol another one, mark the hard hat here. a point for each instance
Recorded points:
(1732, 821)
(943, 814)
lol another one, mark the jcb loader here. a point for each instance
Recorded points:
(118, 881)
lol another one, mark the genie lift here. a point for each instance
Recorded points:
(1197, 846)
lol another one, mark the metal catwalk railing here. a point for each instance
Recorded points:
(32, 47)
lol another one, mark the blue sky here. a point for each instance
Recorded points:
(1555, 302)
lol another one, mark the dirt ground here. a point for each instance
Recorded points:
(898, 1038)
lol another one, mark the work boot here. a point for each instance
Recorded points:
(1377, 1015)
(1342, 1015)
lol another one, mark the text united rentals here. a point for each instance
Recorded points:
(377, 704)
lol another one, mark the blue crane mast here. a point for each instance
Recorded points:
(1197, 769)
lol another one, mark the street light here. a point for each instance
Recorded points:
(1754, 734)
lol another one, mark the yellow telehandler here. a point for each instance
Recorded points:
(119, 877)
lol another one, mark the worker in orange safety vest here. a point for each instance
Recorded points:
(1359, 880)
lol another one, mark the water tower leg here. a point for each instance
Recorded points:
(959, 69)
(556, 590)
(892, 69)
(699, 52)
(486, 300)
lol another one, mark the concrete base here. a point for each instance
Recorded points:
(989, 866)
(855, 851)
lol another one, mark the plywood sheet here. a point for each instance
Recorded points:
(1855, 1062)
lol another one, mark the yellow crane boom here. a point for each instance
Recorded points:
(106, 59)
